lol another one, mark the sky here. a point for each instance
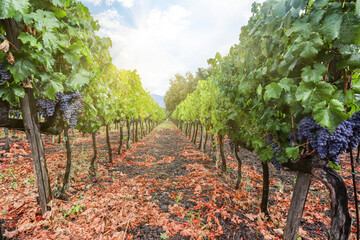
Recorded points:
(160, 38)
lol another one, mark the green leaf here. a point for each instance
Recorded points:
(27, 38)
(329, 114)
(317, 16)
(43, 20)
(50, 40)
(350, 30)
(72, 53)
(331, 26)
(49, 87)
(79, 79)
(320, 3)
(308, 50)
(286, 84)
(292, 152)
(357, 8)
(60, 14)
(259, 90)
(265, 154)
(353, 61)
(311, 94)
(8, 8)
(315, 74)
(272, 91)
(356, 87)
(22, 69)
(59, 3)
(299, 26)
(11, 93)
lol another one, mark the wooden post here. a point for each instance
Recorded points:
(222, 155)
(121, 139)
(68, 162)
(136, 130)
(236, 151)
(201, 146)
(92, 163)
(297, 205)
(32, 130)
(108, 143)
(128, 126)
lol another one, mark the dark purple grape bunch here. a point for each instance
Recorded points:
(345, 137)
(276, 149)
(5, 75)
(70, 107)
(45, 106)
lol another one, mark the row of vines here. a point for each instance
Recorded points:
(289, 91)
(56, 74)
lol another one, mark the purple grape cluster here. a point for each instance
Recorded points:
(5, 75)
(355, 138)
(45, 106)
(69, 106)
(276, 150)
(345, 137)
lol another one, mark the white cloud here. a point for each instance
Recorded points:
(125, 3)
(174, 38)
(95, 2)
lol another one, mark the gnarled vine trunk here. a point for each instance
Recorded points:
(136, 131)
(340, 217)
(68, 163)
(201, 145)
(206, 138)
(121, 139)
(222, 154)
(320, 169)
(266, 183)
(108, 143)
(128, 126)
(236, 151)
(92, 163)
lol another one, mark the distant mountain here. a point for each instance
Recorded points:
(159, 100)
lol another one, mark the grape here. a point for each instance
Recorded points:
(45, 106)
(276, 163)
(322, 141)
(292, 140)
(345, 137)
(276, 149)
(355, 138)
(340, 139)
(69, 106)
(4, 74)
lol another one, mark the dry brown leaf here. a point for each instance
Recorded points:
(18, 204)
(4, 46)
(27, 83)
(278, 231)
(11, 58)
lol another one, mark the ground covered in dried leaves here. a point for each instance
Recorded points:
(163, 188)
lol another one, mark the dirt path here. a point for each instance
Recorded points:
(187, 191)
